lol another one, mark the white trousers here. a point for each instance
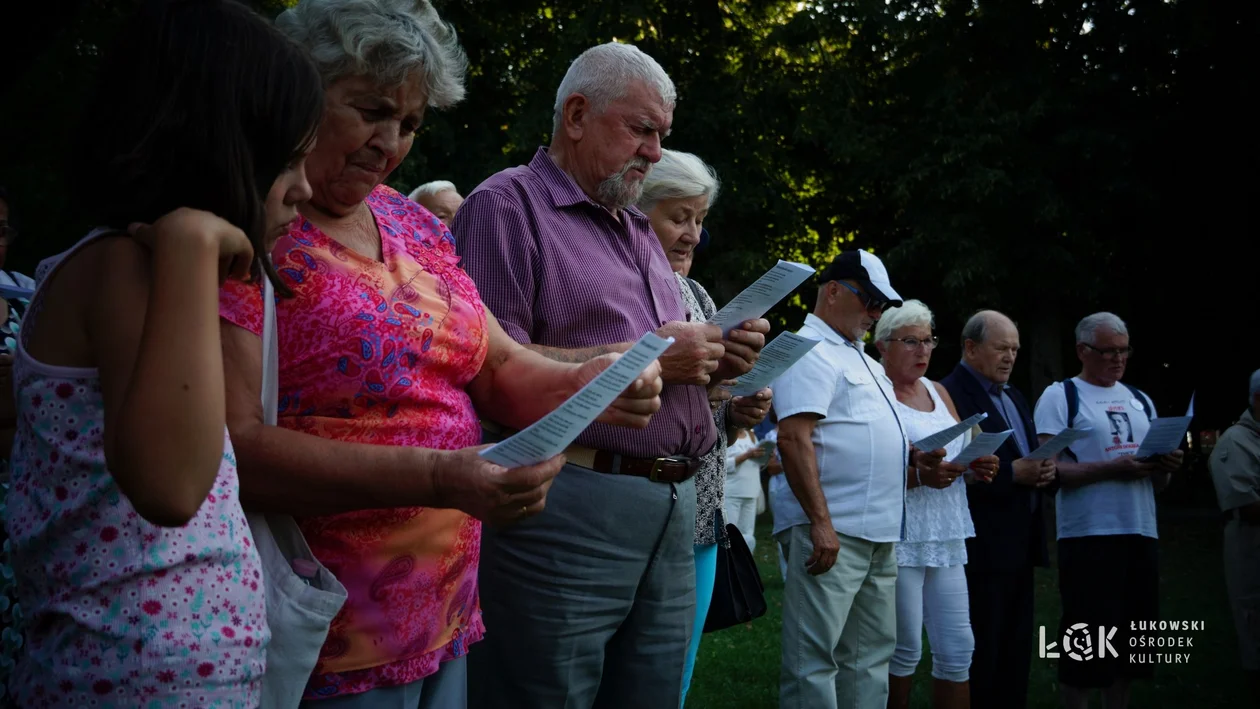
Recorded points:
(742, 512)
(935, 597)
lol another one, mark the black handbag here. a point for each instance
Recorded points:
(738, 594)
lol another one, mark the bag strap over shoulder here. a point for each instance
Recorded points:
(271, 356)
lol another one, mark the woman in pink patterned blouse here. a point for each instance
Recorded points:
(386, 356)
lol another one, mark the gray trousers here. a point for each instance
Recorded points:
(591, 603)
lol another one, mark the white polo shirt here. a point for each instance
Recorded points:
(861, 446)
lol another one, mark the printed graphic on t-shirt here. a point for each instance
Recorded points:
(1121, 429)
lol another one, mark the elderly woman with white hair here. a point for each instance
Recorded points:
(677, 195)
(931, 585)
(386, 354)
(439, 197)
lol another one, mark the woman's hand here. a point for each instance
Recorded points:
(933, 471)
(748, 411)
(985, 468)
(635, 406)
(189, 230)
(496, 495)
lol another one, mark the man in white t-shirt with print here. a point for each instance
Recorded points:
(1108, 549)
(845, 457)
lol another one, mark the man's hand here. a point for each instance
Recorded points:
(695, 354)
(1130, 468)
(748, 411)
(1026, 471)
(1170, 463)
(635, 406)
(742, 347)
(826, 548)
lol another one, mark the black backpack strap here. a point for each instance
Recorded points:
(1145, 400)
(1073, 401)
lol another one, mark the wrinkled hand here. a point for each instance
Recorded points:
(1169, 463)
(748, 411)
(742, 348)
(635, 406)
(985, 468)
(934, 472)
(695, 354)
(826, 548)
(1026, 471)
(192, 229)
(1048, 472)
(719, 392)
(1130, 468)
(493, 494)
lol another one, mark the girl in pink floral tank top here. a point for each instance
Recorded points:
(133, 560)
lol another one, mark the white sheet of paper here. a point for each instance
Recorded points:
(945, 436)
(767, 446)
(1059, 443)
(1190, 409)
(1164, 436)
(776, 358)
(762, 295)
(980, 446)
(554, 432)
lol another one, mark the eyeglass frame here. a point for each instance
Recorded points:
(1114, 353)
(932, 343)
(868, 300)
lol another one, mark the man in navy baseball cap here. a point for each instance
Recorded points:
(870, 274)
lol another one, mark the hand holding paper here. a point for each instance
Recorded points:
(1163, 437)
(551, 434)
(945, 436)
(695, 354)
(762, 295)
(778, 357)
(982, 445)
(1059, 443)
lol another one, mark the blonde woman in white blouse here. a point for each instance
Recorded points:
(931, 585)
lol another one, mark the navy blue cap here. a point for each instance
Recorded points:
(704, 239)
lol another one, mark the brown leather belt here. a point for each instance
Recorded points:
(670, 469)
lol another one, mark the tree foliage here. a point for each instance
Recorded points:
(1045, 157)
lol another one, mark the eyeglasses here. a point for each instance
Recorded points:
(1115, 353)
(868, 300)
(913, 343)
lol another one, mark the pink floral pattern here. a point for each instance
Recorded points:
(380, 352)
(122, 613)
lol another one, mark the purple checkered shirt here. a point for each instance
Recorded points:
(557, 269)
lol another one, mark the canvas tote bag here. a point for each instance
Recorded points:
(298, 613)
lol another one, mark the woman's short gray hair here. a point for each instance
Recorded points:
(678, 175)
(1087, 329)
(429, 189)
(386, 41)
(910, 313)
(604, 72)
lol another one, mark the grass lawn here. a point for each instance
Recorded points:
(739, 667)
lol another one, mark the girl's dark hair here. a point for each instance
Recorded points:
(201, 104)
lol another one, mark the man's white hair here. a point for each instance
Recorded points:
(910, 313)
(1087, 329)
(387, 41)
(429, 189)
(678, 175)
(605, 72)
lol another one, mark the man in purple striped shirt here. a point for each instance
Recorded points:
(591, 603)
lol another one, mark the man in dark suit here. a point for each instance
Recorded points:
(1010, 532)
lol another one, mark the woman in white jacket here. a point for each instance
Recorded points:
(744, 459)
